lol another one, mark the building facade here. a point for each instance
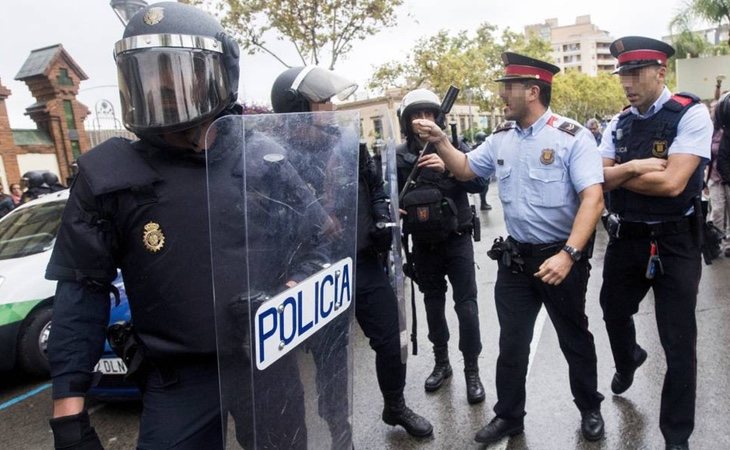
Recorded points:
(582, 46)
(53, 78)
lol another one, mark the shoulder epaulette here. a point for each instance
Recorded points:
(625, 112)
(504, 126)
(569, 127)
(680, 101)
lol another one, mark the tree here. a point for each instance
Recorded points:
(316, 28)
(470, 62)
(580, 96)
(712, 11)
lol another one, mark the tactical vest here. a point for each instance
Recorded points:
(448, 185)
(639, 139)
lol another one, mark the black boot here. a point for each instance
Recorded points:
(396, 412)
(474, 389)
(441, 371)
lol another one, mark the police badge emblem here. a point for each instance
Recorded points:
(660, 149)
(547, 156)
(153, 238)
(153, 16)
(422, 214)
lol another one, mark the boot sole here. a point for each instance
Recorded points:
(435, 388)
(639, 363)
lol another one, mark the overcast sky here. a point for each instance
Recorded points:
(88, 29)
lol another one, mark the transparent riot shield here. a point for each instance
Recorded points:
(385, 148)
(282, 193)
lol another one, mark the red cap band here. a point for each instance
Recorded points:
(642, 55)
(530, 71)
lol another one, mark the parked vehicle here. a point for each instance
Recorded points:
(27, 236)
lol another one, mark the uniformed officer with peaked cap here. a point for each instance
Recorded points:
(549, 174)
(654, 153)
(634, 52)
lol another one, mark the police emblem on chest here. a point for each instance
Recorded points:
(660, 149)
(153, 238)
(153, 16)
(422, 213)
(547, 156)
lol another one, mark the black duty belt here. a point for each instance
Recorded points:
(528, 250)
(641, 229)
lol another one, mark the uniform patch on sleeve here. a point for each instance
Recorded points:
(569, 128)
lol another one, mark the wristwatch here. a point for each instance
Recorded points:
(574, 253)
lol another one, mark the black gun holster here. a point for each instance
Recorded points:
(506, 251)
(127, 345)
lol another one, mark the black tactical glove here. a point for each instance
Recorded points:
(382, 235)
(75, 433)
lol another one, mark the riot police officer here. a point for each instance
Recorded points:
(51, 180)
(310, 88)
(34, 184)
(654, 154)
(550, 178)
(442, 249)
(141, 206)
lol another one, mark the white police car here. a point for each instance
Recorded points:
(27, 235)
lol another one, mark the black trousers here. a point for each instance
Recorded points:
(376, 310)
(452, 258)
(181, 408)
(519, 297)
(675, 299)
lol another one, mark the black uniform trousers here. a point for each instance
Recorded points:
(182, 408)
(519, 297)
(182, 405)
(452, 258)
(675, 298)
(376, 310)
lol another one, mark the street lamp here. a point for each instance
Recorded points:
(125, 9)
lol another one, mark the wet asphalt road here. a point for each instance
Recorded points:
(552, 421)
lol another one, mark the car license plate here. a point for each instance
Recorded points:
(111, 366)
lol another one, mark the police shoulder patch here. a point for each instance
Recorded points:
(504, 126)
(569, 127)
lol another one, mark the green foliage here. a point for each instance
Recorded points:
(715, 12)
(581, 96)
(316, 28)
(467, 60)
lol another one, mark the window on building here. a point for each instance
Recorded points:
(69, 113)
(378, 127)
(462, 124)
(75, 149)
(63, 78)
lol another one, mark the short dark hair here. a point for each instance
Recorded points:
(545, 90)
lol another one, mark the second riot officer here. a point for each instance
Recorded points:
(442, 244)
(310, 89)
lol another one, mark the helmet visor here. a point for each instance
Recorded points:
(319, 85)
(168, 89)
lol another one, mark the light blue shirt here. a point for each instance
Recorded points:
(540, 170)
(694, 131)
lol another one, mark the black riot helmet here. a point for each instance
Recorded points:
(415, 101)
(176, 67)
(32, 179)
(480, 137)
(295, 88)
(722, 112)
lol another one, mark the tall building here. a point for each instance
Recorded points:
(581, 46)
